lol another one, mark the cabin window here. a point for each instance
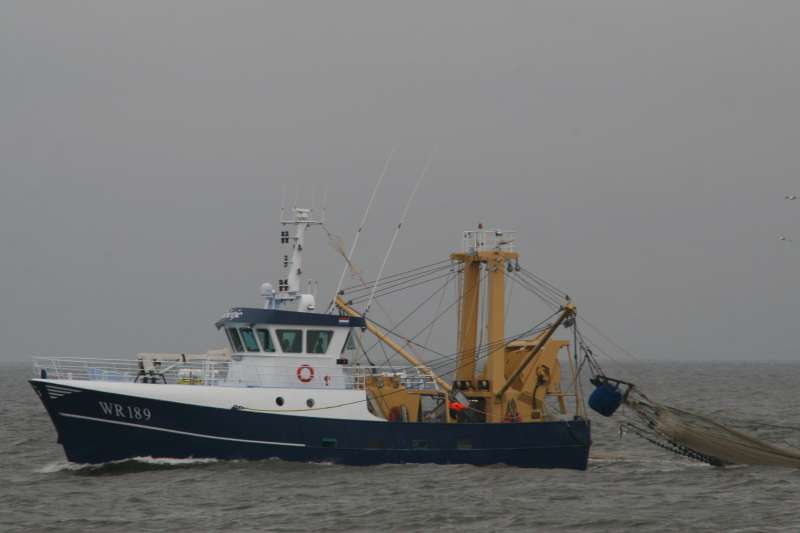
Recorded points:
(350, 343)
(266, 340)
(317, 341)
(291, 340)
(236, 342)
(249, 340)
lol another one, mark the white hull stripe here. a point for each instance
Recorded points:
(61, 387)
(154, 428)
(51, 388)
(56, 392)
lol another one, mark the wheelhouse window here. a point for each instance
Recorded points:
(249, 340)
(317, 341)
(236, 342)
(266, 340)
(291, 340)
(350, 343)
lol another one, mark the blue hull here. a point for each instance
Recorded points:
(95, 427)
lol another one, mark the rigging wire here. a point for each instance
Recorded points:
(509, 294)
(357, 337)
(544, 283)
(397, 231)
(405, 287)
(548, 301)
(398, 282)
(485, 349)
(349, 256)
(366, 285)
(418, 307)
(436, 318)
(547, 292)
(400, 285)
(438, 308)
(338, 244)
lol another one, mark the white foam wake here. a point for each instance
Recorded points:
(66, 466)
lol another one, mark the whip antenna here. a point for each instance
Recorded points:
(347, 260)
(397, 231)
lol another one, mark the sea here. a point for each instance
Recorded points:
(630, 484)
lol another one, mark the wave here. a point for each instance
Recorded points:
(123, 464)
(620, 458)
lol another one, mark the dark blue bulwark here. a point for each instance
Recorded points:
(250, 315)
(92, 429)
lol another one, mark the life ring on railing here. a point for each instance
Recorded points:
(305, 373)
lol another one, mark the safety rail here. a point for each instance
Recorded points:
(410, 377)
(226, 373)
(193, 372)
(483, 240)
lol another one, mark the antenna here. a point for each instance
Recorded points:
(397, 231)
(283, 200)
(347, 263)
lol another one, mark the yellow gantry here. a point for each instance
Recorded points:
(516, 376)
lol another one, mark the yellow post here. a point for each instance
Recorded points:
(495, 364)
(470, 305)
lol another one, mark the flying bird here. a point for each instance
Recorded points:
(784, 238)
(791, 197)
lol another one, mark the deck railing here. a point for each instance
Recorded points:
(205, 372)
(227, 373)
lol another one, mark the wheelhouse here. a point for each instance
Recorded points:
(273, 333)
(277, 348)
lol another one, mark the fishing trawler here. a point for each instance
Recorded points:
(298, 384)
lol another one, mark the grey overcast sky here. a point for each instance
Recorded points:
(641, 149)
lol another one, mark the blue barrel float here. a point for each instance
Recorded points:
(606, 398)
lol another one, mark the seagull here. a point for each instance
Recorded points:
(791, 197)
(784, 238)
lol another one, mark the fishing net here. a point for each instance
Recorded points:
(701, 438)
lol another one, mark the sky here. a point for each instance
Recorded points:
(641, 150)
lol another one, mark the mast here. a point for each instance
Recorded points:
(470, 304)
(289, 286)
(490, 250)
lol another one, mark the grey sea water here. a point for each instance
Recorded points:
(630, 485)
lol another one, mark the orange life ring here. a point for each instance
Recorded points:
(302, 375)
